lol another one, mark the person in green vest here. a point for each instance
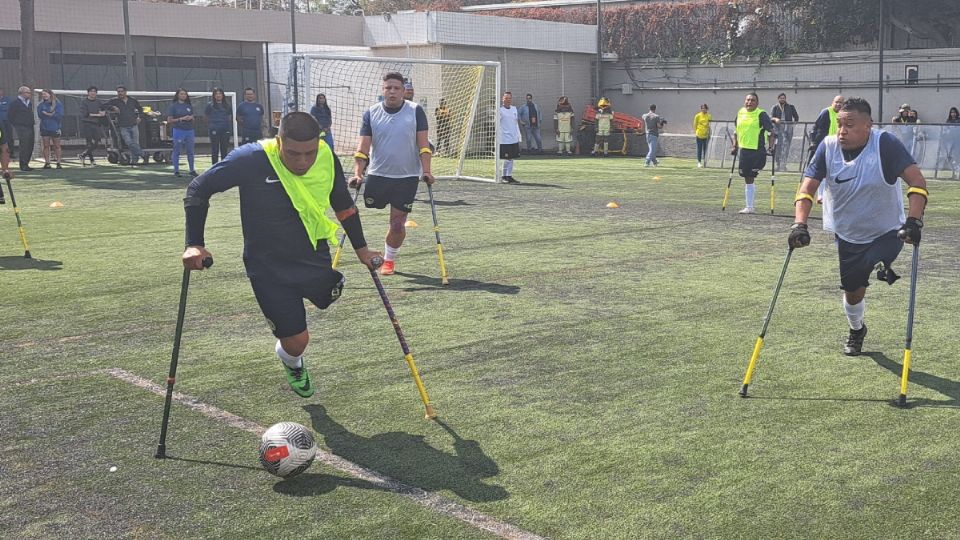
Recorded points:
(286, 184)
(825, 125)
(753, 126)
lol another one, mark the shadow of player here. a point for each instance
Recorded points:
(947, 387)
(419, 282)
(20, 262)
(409, 459)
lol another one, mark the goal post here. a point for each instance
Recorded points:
(153, 129)
(465, 138)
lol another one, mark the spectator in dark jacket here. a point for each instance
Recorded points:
(220, 118)
(20, 116)
(321, 111)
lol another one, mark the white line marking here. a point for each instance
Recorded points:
(433, 502)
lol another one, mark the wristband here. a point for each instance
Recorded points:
(426, 150)
(802, 196)
(360, 155)
(918, 191)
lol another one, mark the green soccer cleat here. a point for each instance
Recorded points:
(299, 380)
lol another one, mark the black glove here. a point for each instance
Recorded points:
(734, 151)
(910, 232)
(799, 236)
(772, 150)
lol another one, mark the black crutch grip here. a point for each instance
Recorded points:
(207, 262)
(377, 262)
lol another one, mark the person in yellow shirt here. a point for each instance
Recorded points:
(701, 127)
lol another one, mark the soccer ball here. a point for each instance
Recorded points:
(287, 449)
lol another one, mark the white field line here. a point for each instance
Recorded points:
(428, 500)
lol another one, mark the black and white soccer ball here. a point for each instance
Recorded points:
(287, 449)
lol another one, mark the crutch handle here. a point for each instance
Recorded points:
(207, 262)
(377, 262)
(7, 175)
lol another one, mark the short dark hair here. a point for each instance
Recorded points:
(395, 75)
(249, 88)
(121, 87)
(856, 104)
(781, 94)
(529, 96)
(93, 88)
(299, 126)
(653, 107)
(508, 93)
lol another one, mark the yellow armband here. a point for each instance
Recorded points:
(426, 150)
(918, 191)
(802, 196)
(360, 155)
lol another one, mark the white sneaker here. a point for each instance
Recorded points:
(699, 165)
(748, 210)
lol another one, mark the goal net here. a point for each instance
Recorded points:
(154, 133)
(465, 138)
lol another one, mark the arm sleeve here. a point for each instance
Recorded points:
(58, 114)
(422, 119)
(341, 200)
(365, 130)
(817, 169)
(765, 122)
(894, 157)
(820, 127)
(796, 116)
(777, 113)
(224, 175)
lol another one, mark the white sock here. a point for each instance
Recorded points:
(390, 253)
(855, 313)
(507, 167)
(292, 362)
(750, 190)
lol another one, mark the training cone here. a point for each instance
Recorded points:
(411, 223)
(56, 204)
(613, 204)
(656, 178)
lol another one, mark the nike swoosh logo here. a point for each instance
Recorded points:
(271, 180)
(840, 181)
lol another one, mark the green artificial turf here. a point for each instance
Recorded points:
(584, 361)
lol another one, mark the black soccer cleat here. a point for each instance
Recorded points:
(855, 341)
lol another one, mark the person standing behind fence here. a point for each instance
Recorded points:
(91, 119)
(180, 116)
(784, 115)
(701, 128)
(250, 117)
(530, 119)
(128, 111)
(220, 121)
(20, 116)
(563, 125)
(652, 124)
(951, 139)
(751, 124)
(50, 113)
(324, 116)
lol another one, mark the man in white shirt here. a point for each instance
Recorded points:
(509, 137)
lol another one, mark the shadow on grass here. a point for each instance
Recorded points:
(310, 484)
(420, 282)
(20, 262)
(217, 463)
(409, 459)
(458, 202)
(123, 178)
(536, 185)
(947, 387)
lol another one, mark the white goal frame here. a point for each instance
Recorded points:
(305, 90)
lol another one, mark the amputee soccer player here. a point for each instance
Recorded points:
(861, 168)
(286, 185)
(395, 154)
(752, 125)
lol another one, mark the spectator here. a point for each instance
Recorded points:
(604, 121)
(180, 116)
(701, 128)
(250, 117)
(563, 125)
(20, 116)
(219, 117)
(91, 120)
(783, 115)
(128, 111)
(443, 115)
(50, 112)
(652, 124)
(321, 111)
(530, 119)
(408, 89)
(951, 139)
(908, 134)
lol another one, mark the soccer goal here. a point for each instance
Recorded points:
(154, 133)
(465, 138)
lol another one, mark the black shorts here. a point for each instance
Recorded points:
(48, 133)
(752, 162)
(857, 261)
(397, 192)
(282, 303)
(92, 132)
(510, 151)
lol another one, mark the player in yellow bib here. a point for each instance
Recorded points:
(753, 125)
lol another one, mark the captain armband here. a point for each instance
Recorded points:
(360, 155)
(426, 150)
(918, 191)
(344, 214)
(802, 196)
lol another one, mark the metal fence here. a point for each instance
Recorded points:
(935, 147)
